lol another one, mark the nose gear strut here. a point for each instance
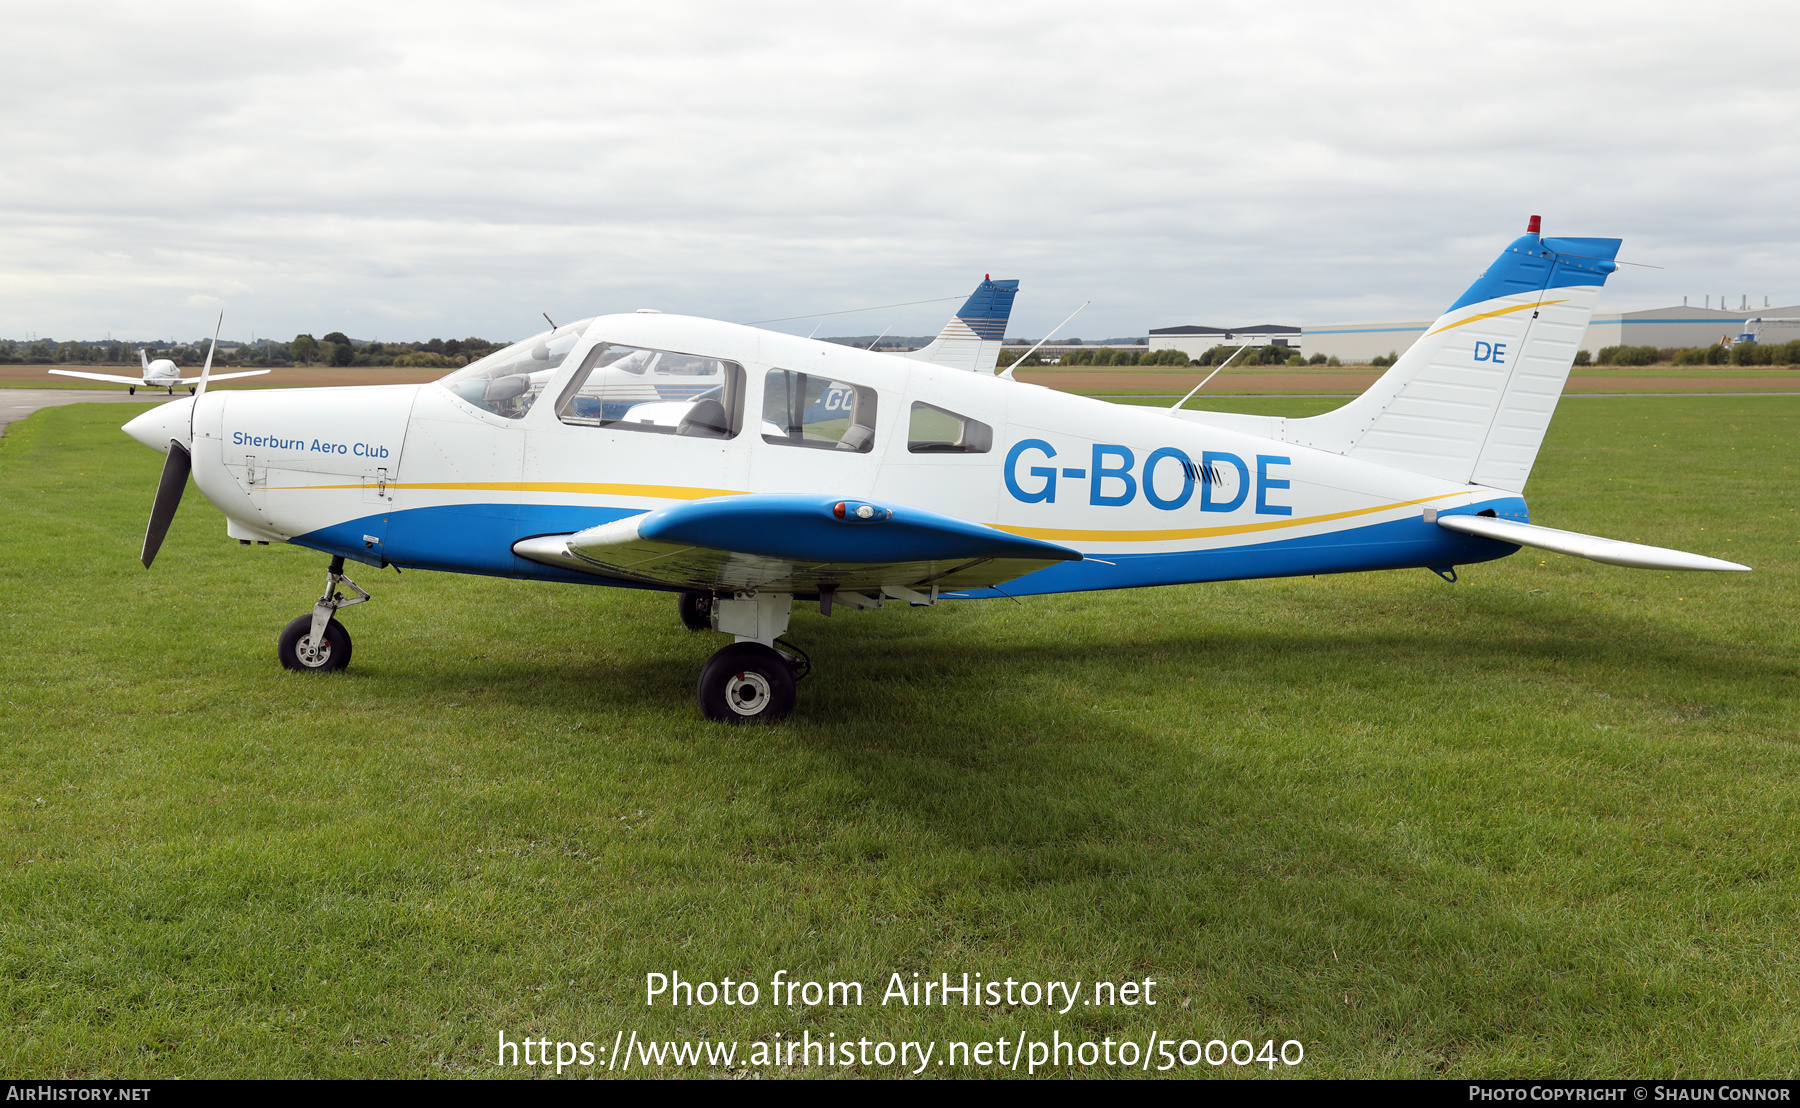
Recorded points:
(314, 650)
(332, 601)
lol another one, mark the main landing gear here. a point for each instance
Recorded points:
(753, 678)
(318, 643)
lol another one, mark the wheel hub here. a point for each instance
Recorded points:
(309, 656)
(747, 693)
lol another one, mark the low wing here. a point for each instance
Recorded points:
(798, 544)
(108, 377)
(1610, 551)
(176, 382)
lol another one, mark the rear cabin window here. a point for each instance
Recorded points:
(659, 392)
(801, 409)
(935, 430)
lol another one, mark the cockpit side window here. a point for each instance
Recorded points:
(509, 381)
(935, 430)
(630, 388)
(800, 409)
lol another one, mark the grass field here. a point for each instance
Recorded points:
(1542, 821)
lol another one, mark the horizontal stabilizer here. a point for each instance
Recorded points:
(797, 544)
(1610, 551)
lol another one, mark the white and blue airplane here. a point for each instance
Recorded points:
(162, 373)
(821, 473)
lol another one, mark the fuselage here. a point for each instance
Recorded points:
(161, 373)
(432, 476)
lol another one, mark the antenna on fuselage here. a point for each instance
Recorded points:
(878, 338)
(548, 320)
(1209, 376)
(1008, 371)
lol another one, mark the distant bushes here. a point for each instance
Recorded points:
(1256, 355)
(1742, 353)
(1628, 355)
(425, 358)
(334, 349)
(1109, 356)
(1775, 353)
(338, 349)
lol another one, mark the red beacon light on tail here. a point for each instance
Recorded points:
(1535, 226)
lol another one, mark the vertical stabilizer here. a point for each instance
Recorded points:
(971, 340)
(1471, 399)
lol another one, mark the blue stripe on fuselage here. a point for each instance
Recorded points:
(478, 538)
(1398, 544)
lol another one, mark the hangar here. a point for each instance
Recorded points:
(1195, 341)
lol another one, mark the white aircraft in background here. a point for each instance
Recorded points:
(160, 374)
(817, 472)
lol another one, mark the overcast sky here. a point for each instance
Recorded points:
(401, 171)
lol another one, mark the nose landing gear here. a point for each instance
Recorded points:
(318, 643)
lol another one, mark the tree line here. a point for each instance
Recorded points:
(1738, 353)
(334, 349)
(1107, 356)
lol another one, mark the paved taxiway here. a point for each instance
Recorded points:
(16, 404)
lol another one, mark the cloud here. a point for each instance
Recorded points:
(459, 168)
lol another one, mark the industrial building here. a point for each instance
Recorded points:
(1359, 341)
(1195, 341)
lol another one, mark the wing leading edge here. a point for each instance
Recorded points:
(799, 544)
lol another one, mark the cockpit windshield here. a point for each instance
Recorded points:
(508, 381)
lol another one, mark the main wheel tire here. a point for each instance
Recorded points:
(696, 610)
(746, 682)
(294, 647)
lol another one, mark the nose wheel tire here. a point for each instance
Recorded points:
(294, 646)
(746, 682)
(696, 611)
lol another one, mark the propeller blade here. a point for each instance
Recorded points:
(168, 498)
(200, 390)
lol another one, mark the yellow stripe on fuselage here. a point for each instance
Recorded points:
(1495, 312)
(1205, 532)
